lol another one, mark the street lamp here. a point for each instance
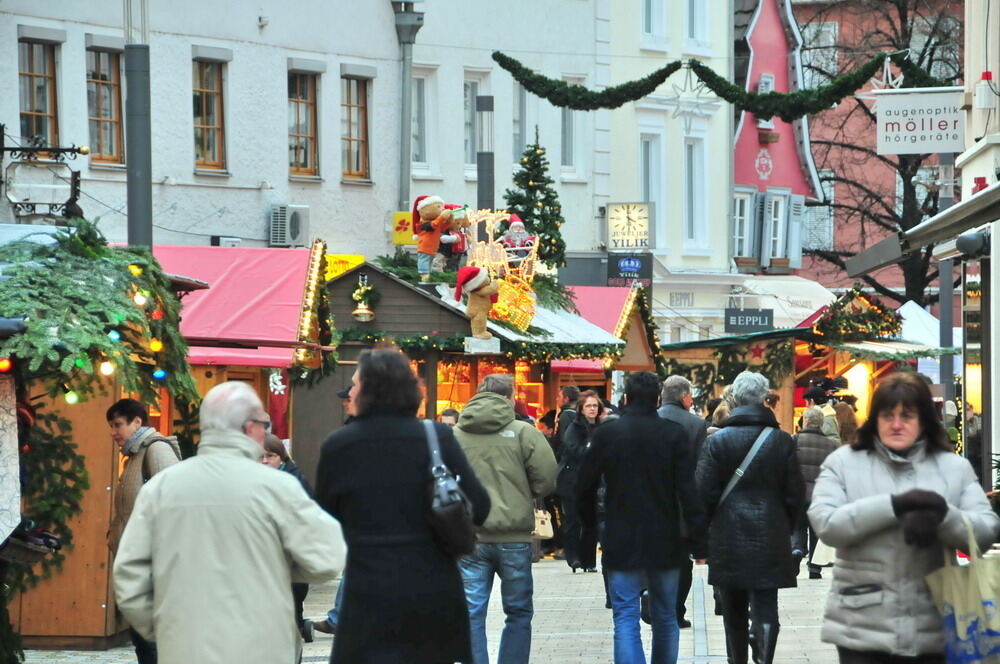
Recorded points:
(485, 183)
(408, 23)
(138, 166)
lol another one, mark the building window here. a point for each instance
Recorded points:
(354, 125)
(705, 332)
(650, 180)
(934, 45)
(303, 136)
(675, 334)
(777, 213)
(104, 106)
(37, 78)
(696, 20)
(694, 195)
(418, 122)
(209, 130)
(819, 218)
(470, 129)
(520, 135)
(819, 53)
(568, 138)
(742, 211)
(653, 28)
(765, 85)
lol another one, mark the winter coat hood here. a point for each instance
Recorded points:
(486, 413)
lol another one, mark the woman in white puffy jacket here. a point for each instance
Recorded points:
(890, 504)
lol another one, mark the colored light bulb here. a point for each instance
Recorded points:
(135, 270)
(159, 374)
(140, 299)
(6, 364)
(72, 397)
(115, 335)
(155, 345)
(106, 368)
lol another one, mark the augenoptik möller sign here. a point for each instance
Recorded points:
(920, 120)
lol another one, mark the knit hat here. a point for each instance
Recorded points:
(419, 203)
(469, 279)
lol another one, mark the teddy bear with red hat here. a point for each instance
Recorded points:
(482, 292)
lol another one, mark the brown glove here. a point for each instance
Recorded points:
(918, 499)
(920, 527)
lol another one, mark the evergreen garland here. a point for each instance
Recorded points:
(537, 204)
(844, 321)
(787, 106)
(577, 97)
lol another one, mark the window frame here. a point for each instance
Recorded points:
(569, 123)
(519, 122)
(418, 121)
(743, 243)
(694, 194)
(311, 105)
(470, 120)
(777, 224)
(818, 50)
(220, 122)
(96, 153)
(821, 216)
(23, 72)
(652, 26)
(651, 184)
(364, 95)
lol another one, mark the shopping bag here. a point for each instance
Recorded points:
(823, 554)
(966, 596)
(543, 525)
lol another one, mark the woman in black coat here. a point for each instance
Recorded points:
(579, 542)
(405, 602)
(750, 553)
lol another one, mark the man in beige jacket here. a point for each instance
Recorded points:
(145, 452)
(207, 559)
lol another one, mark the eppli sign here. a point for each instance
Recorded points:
(920, 120)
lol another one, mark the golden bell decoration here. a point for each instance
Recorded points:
(363, 314)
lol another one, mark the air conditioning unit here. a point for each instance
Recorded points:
(289, 226)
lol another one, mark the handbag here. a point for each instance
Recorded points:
(451, 512)
(543, 525)
(966, 597)
(738, 473)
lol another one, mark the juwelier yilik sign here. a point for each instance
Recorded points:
(920, 120)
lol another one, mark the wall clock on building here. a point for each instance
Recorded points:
(629, 226)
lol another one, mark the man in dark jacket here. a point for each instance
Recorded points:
(568, 396)
(676, 399)
(646, 465)
(515, 464)
(812, 447)
(750, 552)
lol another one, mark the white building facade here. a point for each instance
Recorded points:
(252, 106)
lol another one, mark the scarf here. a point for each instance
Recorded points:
(133, 445)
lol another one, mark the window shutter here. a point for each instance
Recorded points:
(764, 85)
(764, 204)
(793, 239)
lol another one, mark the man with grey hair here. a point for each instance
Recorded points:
(749, 479)
(676, 401)
(515, 463)
(812, 447)
(207, 559)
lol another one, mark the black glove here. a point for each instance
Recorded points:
(920, 527)
(427, 226)
(918, 499)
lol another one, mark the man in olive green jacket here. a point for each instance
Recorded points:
(515, 463)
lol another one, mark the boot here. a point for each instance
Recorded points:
(737, 640)
(767, 641)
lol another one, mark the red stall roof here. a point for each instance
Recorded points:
(254, 299)
(602, 306)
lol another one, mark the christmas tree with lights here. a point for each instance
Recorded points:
(533, 199)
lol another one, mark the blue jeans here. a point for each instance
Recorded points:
(512, 563)
(334, 614)
(625, 588)
(424, 263)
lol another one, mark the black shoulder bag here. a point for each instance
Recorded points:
(451, 512)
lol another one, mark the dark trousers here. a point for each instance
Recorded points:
(684, 588)
(553, 504)
(857, 657)
(145, 651)
(579, 543)
(804, 538)
(739, 606)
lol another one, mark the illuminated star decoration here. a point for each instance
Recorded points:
(888, 80)
(275, 384)
(690, 99)
(757, 352)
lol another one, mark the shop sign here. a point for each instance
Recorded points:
(745, 321)
(920, 120)
(402, 228)
(624, 269)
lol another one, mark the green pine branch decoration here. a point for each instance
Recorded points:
(577, 97)
(788, 106)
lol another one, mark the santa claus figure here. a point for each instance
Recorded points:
(482, 292)
(517, 240)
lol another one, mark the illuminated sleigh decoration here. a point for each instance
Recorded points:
(514, 272)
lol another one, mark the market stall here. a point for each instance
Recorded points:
(431, 327)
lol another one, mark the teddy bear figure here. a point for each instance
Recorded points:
(482, 291)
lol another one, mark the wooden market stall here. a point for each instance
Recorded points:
(430, 326)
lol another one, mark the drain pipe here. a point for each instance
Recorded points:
(408, 23)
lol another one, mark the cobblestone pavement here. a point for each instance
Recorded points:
(572, 626)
